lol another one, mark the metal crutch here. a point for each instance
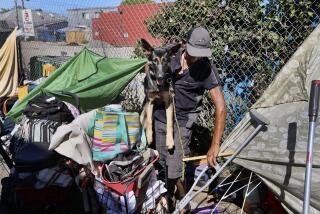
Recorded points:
(256, 117)
(313, 114)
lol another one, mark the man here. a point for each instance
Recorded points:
(194, 74)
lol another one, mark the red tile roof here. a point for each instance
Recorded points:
(127, 26)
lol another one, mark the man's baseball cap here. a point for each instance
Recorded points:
(198, 42)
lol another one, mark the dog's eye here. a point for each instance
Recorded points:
(167, 59)
(152, 65)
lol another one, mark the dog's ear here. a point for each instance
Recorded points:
(174, 49)
(146, 46)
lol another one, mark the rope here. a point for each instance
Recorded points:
(172, 95)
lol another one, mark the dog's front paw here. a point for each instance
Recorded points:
(170, 142)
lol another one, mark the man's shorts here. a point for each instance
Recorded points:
(172, 159)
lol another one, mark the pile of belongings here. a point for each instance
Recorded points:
(41, 118)
(39, 176)
(112, 144)
(131, 180)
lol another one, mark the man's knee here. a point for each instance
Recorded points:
(174, 168)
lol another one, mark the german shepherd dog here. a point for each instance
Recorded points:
(156, 84)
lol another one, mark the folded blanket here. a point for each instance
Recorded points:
(72, 140)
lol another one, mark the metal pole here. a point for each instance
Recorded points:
(17, 17)
(313, 114)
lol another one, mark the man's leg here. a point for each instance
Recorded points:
(160, 143)
(172, 160)
(175, 164)
(161, 147)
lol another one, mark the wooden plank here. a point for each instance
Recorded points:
(203, 158)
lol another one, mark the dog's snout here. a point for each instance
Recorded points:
(160, 72)
(160, 76)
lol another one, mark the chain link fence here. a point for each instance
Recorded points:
(251, 39)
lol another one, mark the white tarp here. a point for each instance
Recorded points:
(278, 154)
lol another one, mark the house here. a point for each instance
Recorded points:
(45, 24)
(126, 25)
(79, 29)
(83, 16)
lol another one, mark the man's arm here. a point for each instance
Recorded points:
(219, 123)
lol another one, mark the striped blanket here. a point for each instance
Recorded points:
(115, 132)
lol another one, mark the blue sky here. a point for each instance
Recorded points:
(60, 6)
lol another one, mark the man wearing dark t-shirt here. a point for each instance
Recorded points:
(194, 73)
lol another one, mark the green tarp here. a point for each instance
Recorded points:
(96, 80)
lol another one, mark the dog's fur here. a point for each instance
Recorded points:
(158, 72)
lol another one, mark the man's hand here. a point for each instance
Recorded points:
(219, 124)
(212, 154)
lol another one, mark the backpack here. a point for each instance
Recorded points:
(44, 114)
(42, 130)
(48, 108)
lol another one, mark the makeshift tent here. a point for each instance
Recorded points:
(97, 81)
(278, 154)
(9, 66)
(37, 63)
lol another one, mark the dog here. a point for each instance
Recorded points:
(156, 84)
